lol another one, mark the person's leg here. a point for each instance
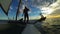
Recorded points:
(27, 18)
(24, 18)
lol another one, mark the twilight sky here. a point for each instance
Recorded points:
(36, 7)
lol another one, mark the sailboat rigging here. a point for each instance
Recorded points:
(18, 9)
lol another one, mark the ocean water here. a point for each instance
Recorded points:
(3, 21)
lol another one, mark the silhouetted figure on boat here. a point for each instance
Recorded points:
(41, 19)
(25, 12)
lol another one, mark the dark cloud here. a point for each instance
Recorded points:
(40, 2)
(56, 12)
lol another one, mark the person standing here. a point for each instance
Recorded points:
(25, 12)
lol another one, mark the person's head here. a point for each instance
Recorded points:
(26, 8)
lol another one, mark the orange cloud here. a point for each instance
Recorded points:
(53, 16)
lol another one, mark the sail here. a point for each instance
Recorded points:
(5, 5)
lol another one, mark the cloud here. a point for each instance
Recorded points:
(54, 6)
(21, 8)
(41, 4)
(38, 2)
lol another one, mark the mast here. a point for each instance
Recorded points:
(18, 9)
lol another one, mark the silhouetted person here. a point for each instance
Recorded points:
(41, 19)
(25, 12)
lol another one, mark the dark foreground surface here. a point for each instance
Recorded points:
(19, 27)
(13, 29)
